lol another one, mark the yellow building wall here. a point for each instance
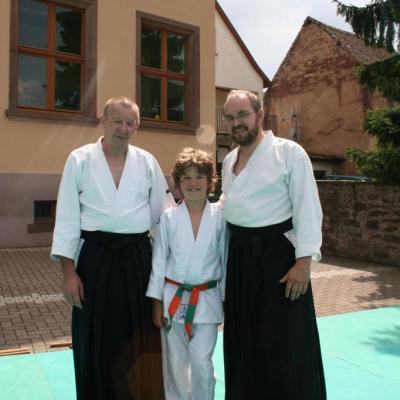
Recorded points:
(32, 154)
(35, 147)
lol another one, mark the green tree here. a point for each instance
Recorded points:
(378, 24)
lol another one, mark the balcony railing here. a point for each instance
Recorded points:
(220, 123)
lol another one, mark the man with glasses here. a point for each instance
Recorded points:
(271, 203)
(111, 193)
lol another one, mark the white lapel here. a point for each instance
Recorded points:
(199, 245)
(204, 230)
(127, 173)
(103, 171)
(120, 194)
(246, 174)
(185, 226)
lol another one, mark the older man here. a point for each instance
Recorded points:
(110, 194)
(271, 344)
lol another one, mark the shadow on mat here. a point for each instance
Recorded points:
(386, 341)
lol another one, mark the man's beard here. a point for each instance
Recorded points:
(244, 140)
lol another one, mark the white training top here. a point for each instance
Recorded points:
(178, 255)
(89, 200)
(276, 184)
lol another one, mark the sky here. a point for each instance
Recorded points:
(269, 27)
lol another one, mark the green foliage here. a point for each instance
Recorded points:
(384, 125)
(383, 76)
(382, 165)
(376, 23)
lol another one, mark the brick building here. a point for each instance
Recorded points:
(316, 98)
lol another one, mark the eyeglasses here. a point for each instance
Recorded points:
(240, 115)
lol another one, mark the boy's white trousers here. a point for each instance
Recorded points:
(187, 366)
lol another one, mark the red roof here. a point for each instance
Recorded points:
(352, 44)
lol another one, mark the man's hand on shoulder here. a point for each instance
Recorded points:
(297, 278)
(72, 284)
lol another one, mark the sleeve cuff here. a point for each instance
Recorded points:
(155, 289)
(57, 253)
(154, 294)
(315, 255)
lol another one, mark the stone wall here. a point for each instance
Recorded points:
(361, 221)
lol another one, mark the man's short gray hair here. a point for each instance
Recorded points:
(125, 101)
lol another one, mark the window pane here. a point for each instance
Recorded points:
(32, 81)
(44, 210)
(68, 86)
(68, 30)
(151, 97)
(151, 48)
(176, 100)
(176, 53)
(33, 20)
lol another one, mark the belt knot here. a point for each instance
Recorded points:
(193, 301)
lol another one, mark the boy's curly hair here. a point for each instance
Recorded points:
(199, 159)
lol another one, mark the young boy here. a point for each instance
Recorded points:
(187, 282)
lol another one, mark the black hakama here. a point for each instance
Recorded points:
(271, 344)
(116, 347)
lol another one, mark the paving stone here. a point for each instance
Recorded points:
(34, 314)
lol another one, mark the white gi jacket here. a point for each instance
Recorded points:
(184, 259)
(276, 184)
(89, 200)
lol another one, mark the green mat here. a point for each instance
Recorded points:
(361, 353)
(40, 376)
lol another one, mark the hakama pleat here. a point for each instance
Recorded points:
(271, 344)
(117, 349)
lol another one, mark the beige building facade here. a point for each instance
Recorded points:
(235, 68)
(62, 60)
(317, 100)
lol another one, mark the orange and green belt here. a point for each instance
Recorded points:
(193, 301)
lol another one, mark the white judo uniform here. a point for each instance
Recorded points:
(178, 255)
(89, 200)
(277, 184)
(114, 265)
(271, 343)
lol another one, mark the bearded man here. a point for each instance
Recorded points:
(271, 203)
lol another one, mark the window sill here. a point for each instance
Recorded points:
(40, 228)
(166, 126)
(51, 117)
